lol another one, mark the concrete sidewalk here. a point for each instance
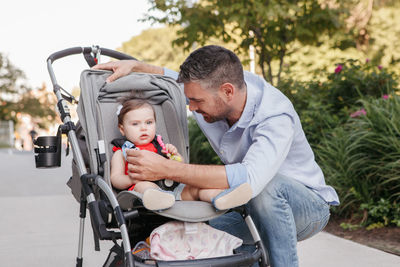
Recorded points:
(39, 224)
(328, 250)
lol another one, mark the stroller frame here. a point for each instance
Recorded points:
(92, 182)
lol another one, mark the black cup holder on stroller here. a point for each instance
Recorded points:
(48, 149)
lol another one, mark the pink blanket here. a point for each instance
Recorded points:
(184, 241)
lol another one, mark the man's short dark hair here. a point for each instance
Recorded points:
(212, 66)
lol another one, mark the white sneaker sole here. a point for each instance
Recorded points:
(154, 199)
(240, 196)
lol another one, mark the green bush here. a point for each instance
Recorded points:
(315, 111)
(356, 142)
(352, 80)
(324, 105)
(361, 159)
(382, 212)
(201, 151)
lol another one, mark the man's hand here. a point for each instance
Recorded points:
(146, 166)
(120, 68)
(124, 67)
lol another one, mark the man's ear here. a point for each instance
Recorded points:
(227, 90)
(121, 129)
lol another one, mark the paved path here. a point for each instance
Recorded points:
(39, 224)
(328, 250)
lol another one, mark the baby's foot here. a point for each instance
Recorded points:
(233, 197)
(157, 199)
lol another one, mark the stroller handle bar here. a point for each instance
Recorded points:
(85, 50)
(91, 55)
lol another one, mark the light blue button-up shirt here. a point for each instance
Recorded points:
(267, 140)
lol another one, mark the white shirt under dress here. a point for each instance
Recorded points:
(267, 140)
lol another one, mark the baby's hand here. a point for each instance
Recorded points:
(171, 149)
(172, 152)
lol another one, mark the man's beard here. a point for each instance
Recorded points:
(222, 111)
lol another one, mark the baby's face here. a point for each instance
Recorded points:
(139, 126)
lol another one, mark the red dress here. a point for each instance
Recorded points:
(148, 147)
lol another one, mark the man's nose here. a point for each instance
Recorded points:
(192, 107)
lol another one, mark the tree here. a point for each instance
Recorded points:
(271, 26)
(154, 46)
(359, 20)
(10, 88)
(39, 103)
(307, 62)
(16, 97)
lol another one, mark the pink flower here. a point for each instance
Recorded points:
(385, 97)
(338, 68)
(358, 113)
(379, 67)
(367, 60)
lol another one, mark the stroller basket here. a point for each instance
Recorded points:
(120, 217)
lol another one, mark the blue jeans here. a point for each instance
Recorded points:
(285, 212)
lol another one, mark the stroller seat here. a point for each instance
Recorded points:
(99, 119)
(187, 211)
(99, 124)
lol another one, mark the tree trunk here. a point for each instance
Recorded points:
(359, 19)
(282, 54)
(270, 77)
(263, 56)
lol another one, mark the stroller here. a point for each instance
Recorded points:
(120, 216)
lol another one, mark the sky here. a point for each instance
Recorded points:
(31, 30)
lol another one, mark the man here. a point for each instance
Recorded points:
(256, 132)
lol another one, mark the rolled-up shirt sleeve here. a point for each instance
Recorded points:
(269, 147)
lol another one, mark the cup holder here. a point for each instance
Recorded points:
(48, 151)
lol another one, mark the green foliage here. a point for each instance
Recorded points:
(201, 151)
(9, 76)
(310, 102)
(349, 226)
(375, 226)
(324, 105)
(40, 105)
(352, 80)
(270, 26)
(385, 37)
(302, 62)
(381, 213)
(16, 97)
(10, 88)
(361, 158)
(307, 61)
(154, 46)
